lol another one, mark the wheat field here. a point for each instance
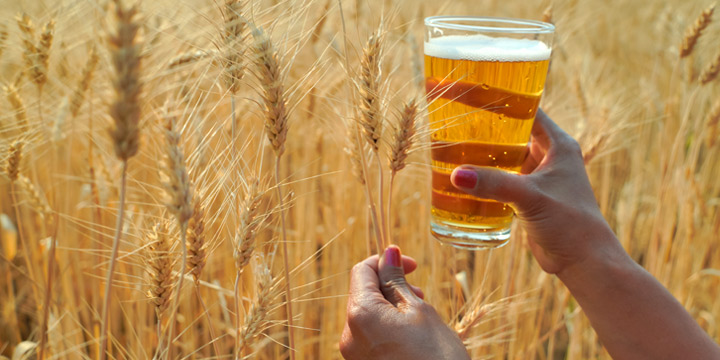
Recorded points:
(206, 158)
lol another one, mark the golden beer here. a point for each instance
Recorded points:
(483, 95)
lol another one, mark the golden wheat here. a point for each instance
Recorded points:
(694, 31)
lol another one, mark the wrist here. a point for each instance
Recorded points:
(603, 263)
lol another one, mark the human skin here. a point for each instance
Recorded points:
(387, 318)
(634, 316)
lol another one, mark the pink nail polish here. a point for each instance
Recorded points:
(392, 256)
(464, 178)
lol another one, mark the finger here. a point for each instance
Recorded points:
(547, 132)
(418, 291)
(534, 157)
(494, 184)
(392, 280)
(364, 281)
(409, 264)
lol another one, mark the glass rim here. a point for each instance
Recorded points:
(533, 26)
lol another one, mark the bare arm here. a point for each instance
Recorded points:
(632, 313)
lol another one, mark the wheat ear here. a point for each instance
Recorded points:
(402, 142)
(234, 44)
(369, 86)
(197, 257)
(13, 97)
(12, 168)
(713, 125)
(548, 14)
(711, 71)
(256, 318)
(3, 38)
(244, 243)
(274, 99)
(179, 192)
(693, 32)
(370, 90)
(353, 150)
(161, 261)
(78, 96)
(125, 112)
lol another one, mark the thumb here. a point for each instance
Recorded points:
(392, 279)
(492, 183)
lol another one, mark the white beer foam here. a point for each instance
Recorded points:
(485, 48)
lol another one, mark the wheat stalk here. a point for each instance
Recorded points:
(694, 31)
(125, 112)
(244, 243)
(370, 85)
(274, 99)
(12, 168)
(179, 192)
(78, 96)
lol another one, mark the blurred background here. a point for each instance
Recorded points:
(645, 112)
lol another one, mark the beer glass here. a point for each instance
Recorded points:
(484, 78)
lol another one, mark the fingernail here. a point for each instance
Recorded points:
(464, 178)
(392, 256)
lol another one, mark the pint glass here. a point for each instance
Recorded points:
(484, 78)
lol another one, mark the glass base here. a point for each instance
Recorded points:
(468, 238)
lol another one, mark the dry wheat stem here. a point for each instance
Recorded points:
(369, 198)
(113, 257)
(288, 294)
(12, 168)
(125, 111)
(179, 190)
(274, 100)
(48, 293)
(693, 33)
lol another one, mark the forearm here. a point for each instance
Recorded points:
(632, 313)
